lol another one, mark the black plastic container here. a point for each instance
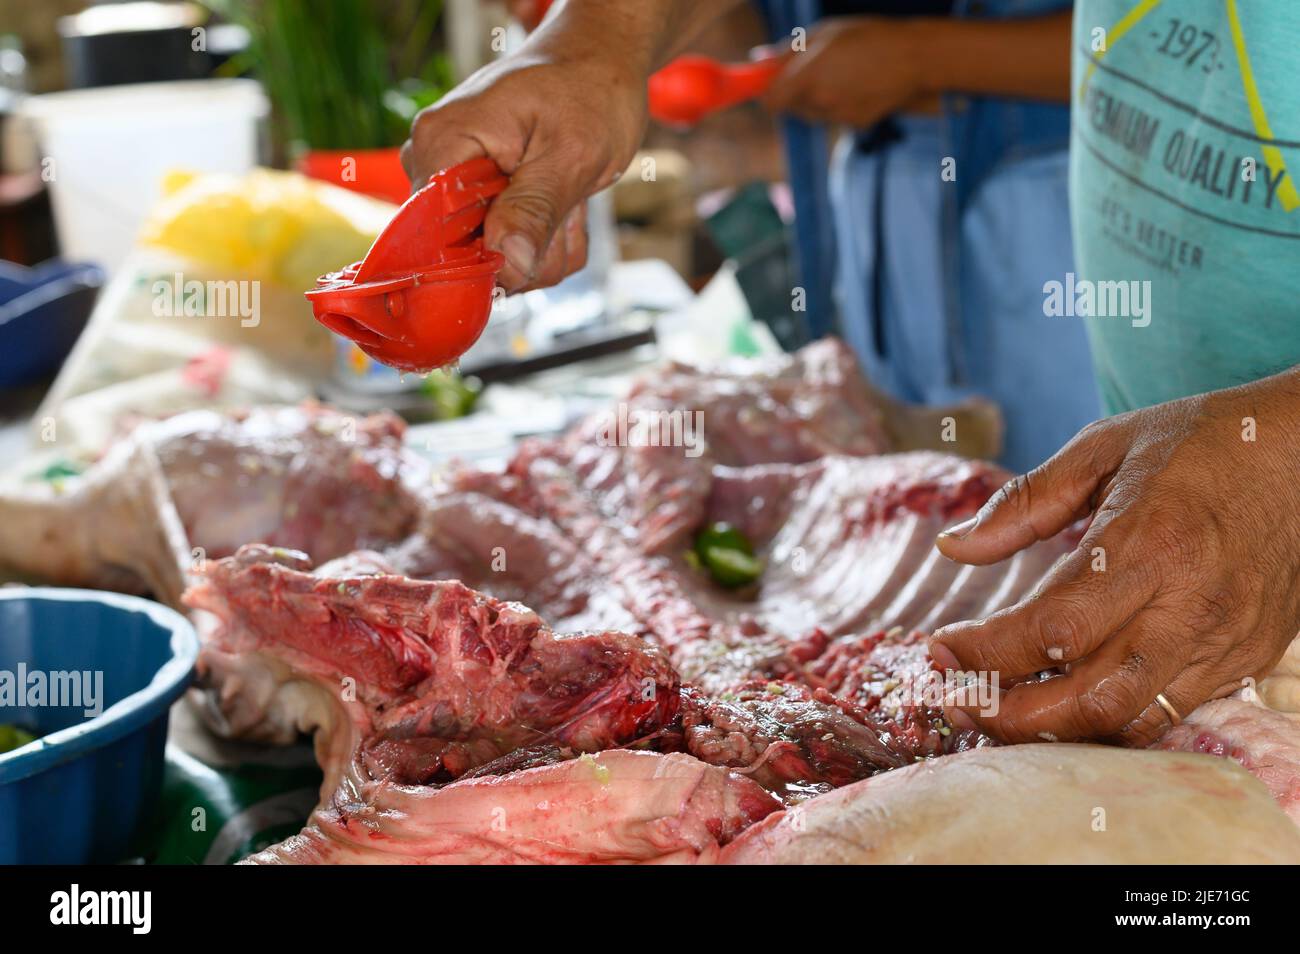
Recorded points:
(134, 43)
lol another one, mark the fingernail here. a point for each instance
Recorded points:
(960, 531)
(943, 657)
(520, 253)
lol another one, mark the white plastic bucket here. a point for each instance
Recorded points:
(106, 151)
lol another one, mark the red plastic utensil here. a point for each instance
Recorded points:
(691, 87)
(423, 293)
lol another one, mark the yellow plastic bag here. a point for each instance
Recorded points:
(144, 354)
(274, 226)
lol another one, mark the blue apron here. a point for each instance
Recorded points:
(939, 284)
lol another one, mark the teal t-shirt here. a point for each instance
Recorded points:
(1184, 154)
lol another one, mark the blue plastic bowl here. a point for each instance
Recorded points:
(82, 791)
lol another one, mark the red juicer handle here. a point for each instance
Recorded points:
(691, 87)
(443, 215)
(750, 80)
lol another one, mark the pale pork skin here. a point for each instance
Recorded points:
(1034, 804)
(613, 807)
(1240, 728)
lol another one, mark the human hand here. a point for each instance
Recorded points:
(562, 118)
(855, 71)
(1184, 584)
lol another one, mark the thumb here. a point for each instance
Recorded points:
(1041, 503)
(524, 218)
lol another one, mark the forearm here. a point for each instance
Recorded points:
(1273, 405)
(1025, 58)
(643, 33)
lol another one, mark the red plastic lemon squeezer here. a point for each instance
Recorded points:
(423, 293)
(691, 87)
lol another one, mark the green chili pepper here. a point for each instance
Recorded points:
(728, 555)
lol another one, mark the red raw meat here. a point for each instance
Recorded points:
(437, 679)
(792, 739)
(429, 682)
(786, 409)
(204, 484)
(306, 478)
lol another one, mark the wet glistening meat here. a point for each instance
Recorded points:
(526, 665)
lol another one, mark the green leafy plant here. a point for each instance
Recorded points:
(343, 74)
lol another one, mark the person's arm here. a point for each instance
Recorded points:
(1019, 58)
(1184, 585)
(562, 117)
(858, 70)
(659, 29)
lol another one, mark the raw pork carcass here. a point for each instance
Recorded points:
(453, 727)
(801, 681)
(473, 734)
(782, 686)
(487, 764)
(798, 407)
(792, 687)
(788, 409)
(203, 484)
(849, 549)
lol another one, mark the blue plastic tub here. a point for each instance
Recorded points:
(82, 791)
